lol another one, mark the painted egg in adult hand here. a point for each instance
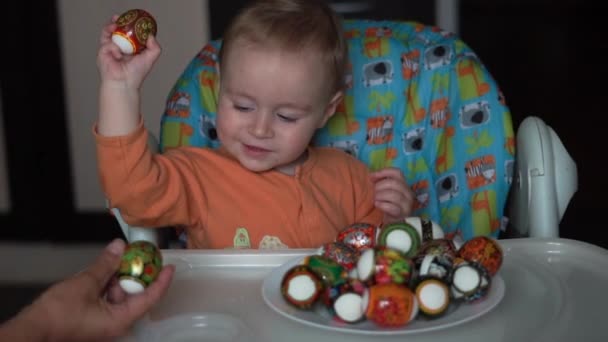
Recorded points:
(140, 265)
(132, 31)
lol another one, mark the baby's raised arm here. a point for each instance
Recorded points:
(121, 80)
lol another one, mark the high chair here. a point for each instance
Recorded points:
(418, 98)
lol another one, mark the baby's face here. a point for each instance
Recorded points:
(270, 104)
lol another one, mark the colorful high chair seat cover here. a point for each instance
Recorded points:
(418, 98)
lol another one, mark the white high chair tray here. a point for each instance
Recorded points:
(554, 290)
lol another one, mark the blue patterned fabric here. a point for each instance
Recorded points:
(418, 98)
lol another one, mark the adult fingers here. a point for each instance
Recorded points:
(115, 293)
(136, 306)
(106, 264)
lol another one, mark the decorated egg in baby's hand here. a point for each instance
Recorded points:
(140, 265)
(132, 31)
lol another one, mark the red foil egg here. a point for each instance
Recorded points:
(483, 250)
(132, 31)
(358, 236)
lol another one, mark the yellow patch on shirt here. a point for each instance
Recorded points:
(241, 238)
(271, 242)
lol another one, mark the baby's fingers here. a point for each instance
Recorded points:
(106, 33)
(390, 172)
(389, 208)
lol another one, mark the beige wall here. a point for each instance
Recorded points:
(4, 190)
(183, 28)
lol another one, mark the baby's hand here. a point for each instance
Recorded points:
(124, 70)
(392, 196)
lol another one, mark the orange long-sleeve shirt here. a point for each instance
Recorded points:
(223, 205)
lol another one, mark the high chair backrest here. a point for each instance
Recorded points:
(418, 99)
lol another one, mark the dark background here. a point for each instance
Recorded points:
(547, 56)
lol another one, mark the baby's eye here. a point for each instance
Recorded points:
(242, 108)
(286, 118)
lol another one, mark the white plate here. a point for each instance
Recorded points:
(321, 318)
(203, 326)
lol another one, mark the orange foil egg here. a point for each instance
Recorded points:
(390, 305)
(483, 250)
(132, 31)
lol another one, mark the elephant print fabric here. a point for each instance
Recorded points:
(417, 98)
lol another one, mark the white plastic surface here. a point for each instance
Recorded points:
(545, 180)
(554, 291)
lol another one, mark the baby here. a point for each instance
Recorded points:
(282, 71)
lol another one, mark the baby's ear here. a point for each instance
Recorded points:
(330, 110)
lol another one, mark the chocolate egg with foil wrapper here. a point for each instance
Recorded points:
(340, 253)
(329, 271)
(358, 236)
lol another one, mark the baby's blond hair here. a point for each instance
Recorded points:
(292, 25)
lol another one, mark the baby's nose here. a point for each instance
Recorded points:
(262, 126)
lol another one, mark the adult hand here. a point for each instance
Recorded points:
(392, 195)
(89, 306)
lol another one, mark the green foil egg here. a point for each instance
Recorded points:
(140, 265)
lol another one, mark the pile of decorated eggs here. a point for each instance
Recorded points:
(393, 273)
